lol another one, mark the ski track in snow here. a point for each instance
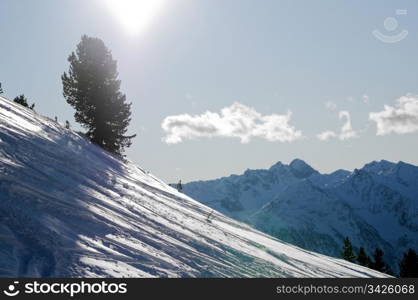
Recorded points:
(70, 209)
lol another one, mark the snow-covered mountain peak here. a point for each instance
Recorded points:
(380, 167)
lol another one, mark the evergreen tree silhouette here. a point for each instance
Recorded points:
(21, 99)
(408, 267)
(362, 258)
(92, 87)
(347, 252)
(179, 186)
(379, 264)
(1, 90)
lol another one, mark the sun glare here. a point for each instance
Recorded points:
(135, 15)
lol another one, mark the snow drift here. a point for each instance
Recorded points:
(70, 209)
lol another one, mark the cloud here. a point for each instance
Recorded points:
(326, 135)
(331, 106)
(346, 131)
(237, 120)
(401, 119)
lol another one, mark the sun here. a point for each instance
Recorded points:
(135, 15)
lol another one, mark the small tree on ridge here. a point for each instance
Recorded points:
(91, 86)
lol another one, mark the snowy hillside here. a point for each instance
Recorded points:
(67, 208)
(376, 206)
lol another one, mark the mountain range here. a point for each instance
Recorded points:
(375, 206)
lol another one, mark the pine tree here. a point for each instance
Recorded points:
(409, 264)
(347, 252)
(379, 264)
(179, 186)
(1, 90)
(23, 101)
(92, 88)
(362, 258)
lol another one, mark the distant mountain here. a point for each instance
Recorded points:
(376, 206)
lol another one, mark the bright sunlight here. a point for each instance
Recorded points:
(135, 15)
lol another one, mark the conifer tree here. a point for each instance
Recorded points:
(179, 186)
(408, 267)
(347, 252)
(362, 258)
(1, 90)
(92, 87)
(379, 264)
(23, 101)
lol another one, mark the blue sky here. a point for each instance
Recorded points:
(314, 59)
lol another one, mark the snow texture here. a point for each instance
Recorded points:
(70, 209)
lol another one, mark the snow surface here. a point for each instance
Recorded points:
(376, 206)
(70, 209)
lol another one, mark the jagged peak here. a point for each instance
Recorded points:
(382, 163)
(379, 167)
(301, 169)
(298, 162)
(279, 164)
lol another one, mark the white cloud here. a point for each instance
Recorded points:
(346, 131)
(326, 135)
(237, 120)
(401, 119)
(331, 106)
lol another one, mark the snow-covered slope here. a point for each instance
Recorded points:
(376, 206)
(67, 208)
